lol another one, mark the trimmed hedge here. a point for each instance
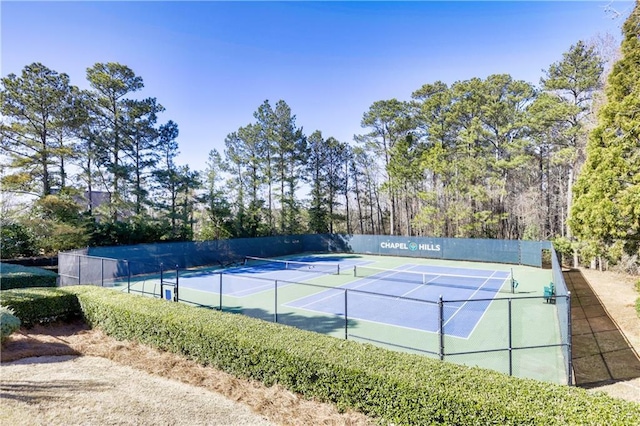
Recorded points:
(394, 387)
(39, 305)
(18, 276)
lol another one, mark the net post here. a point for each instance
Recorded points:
(510, 338)
(338, 269)
(441, 327)
(275, 301)
(513, 283)
(355, 273)
(102, 272)
(569, 343)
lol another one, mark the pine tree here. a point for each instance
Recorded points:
(34, 136)
(573, 81)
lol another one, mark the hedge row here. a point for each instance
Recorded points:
(37, 305)
(394, 387)
(17, 276)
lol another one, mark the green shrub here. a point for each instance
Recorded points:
(16, 240)
(55, 236)
(8, 322)
(39, 305)
(396, 388)
(17, 276)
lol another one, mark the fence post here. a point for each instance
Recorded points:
(275, 315)
(79, 269)
(102, 272)
(128, 276)
(569, 342)
(346, 318)
(220, 291)
(441, 327)
(519, 252)
(176, 296)
(510, 340)
(161, 282)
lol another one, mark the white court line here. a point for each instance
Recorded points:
(269, 280)
(372, 279)
(318, 300)
(268, 283)
(469, 298)
(365, 281)
(418, 285)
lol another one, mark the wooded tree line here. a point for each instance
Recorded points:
(91, 154)
(492, 157)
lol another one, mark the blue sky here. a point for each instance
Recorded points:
(211, 64)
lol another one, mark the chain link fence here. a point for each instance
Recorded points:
(506, 339)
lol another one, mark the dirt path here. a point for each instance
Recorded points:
(117, 382)
(617, 295)
(67, 390)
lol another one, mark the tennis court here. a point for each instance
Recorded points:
(409, 287)
(258, 274)
(390, 301)
(479, 321)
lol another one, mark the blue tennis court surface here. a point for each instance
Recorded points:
(255, 278)
(408, 296)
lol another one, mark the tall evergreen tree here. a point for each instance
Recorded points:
(236, 183)
(336, 178)
(245, 154)
(573, 80)
(437, 132)
(388, 121)
(111, 83)
(289, 149)
(265, 147)
(316, 161)
(143, 136)
(471, 148)
(218, 223)
(607, 206)
(37, 106)
(167, 175)
(327, 169)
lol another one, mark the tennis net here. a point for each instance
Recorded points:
(427, 277)
(278, 264)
